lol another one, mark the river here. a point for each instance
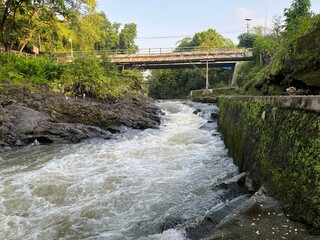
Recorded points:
(128, 187)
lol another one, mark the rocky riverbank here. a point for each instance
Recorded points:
(47, 117)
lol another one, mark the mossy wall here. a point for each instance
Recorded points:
(279, 147)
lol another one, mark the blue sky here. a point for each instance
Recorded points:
(175, 19)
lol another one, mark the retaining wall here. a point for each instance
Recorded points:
(277, 141)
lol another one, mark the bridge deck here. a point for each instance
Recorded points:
(183, 59)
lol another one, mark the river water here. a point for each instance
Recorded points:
(129, 187)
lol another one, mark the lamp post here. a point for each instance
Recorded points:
(248, 24)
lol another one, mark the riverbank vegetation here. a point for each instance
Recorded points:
(293, 47)
(85, 75)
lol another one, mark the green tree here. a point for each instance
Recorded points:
(246, 40)
(21, 19)
(298, 9)
(127, 36)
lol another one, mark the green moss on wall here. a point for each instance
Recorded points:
(279, 147)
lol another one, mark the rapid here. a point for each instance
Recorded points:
(129, 187)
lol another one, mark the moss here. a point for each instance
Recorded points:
(285, 144)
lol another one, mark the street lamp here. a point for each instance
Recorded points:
(248, 23)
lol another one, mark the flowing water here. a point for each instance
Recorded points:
(128, 187)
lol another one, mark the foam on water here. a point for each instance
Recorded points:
(124, 188)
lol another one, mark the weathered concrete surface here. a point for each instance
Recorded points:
(299, 102)
(276, 140)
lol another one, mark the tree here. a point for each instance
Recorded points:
(20, 19)
(246, 40)
(127, 36)
(91, 32)
(298, 8)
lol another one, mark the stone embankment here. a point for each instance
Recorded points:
(276, 141)
(46, 117)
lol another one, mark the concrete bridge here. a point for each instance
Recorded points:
(161, 58)
(183, 58)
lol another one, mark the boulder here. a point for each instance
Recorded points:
(48, 117)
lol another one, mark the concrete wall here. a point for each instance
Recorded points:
(277, 141)
(298, 102)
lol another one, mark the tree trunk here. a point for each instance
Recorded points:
(23, 42)
(3, 27)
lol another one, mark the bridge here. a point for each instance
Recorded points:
(160, 58)
(164, 58)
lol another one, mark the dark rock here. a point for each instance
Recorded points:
(31, 125)
(212, 219)
(47, 117)
(234, 187)
(197, 111)
(215, 115)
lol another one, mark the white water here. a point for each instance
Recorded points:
(123, 188)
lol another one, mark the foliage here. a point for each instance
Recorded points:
(98, 79)
(20, 19)
(247, 71)
(298, 9)
(246, 40)
(293, 50)
(19, 69)
(208, 39)
(127, 36)
(84, 75)
(57, 26)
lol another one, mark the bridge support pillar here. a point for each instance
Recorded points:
(234, 70)
(207, 76)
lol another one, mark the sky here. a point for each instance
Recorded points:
(161, 24)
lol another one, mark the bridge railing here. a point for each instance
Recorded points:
(69, 56)
(170, 50)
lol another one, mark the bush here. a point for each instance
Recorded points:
(29, 70)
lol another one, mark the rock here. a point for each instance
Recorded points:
(197, 111)
(31, 125)
(214, 217)
(215, 115)
(51, 118)
(261, 217)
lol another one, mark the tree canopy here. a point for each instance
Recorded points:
(53, 25)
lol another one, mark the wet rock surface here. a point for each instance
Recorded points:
(261, 217)
(219, 201)
(47, 117)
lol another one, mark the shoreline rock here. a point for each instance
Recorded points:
(48, 117)
(260, 217)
